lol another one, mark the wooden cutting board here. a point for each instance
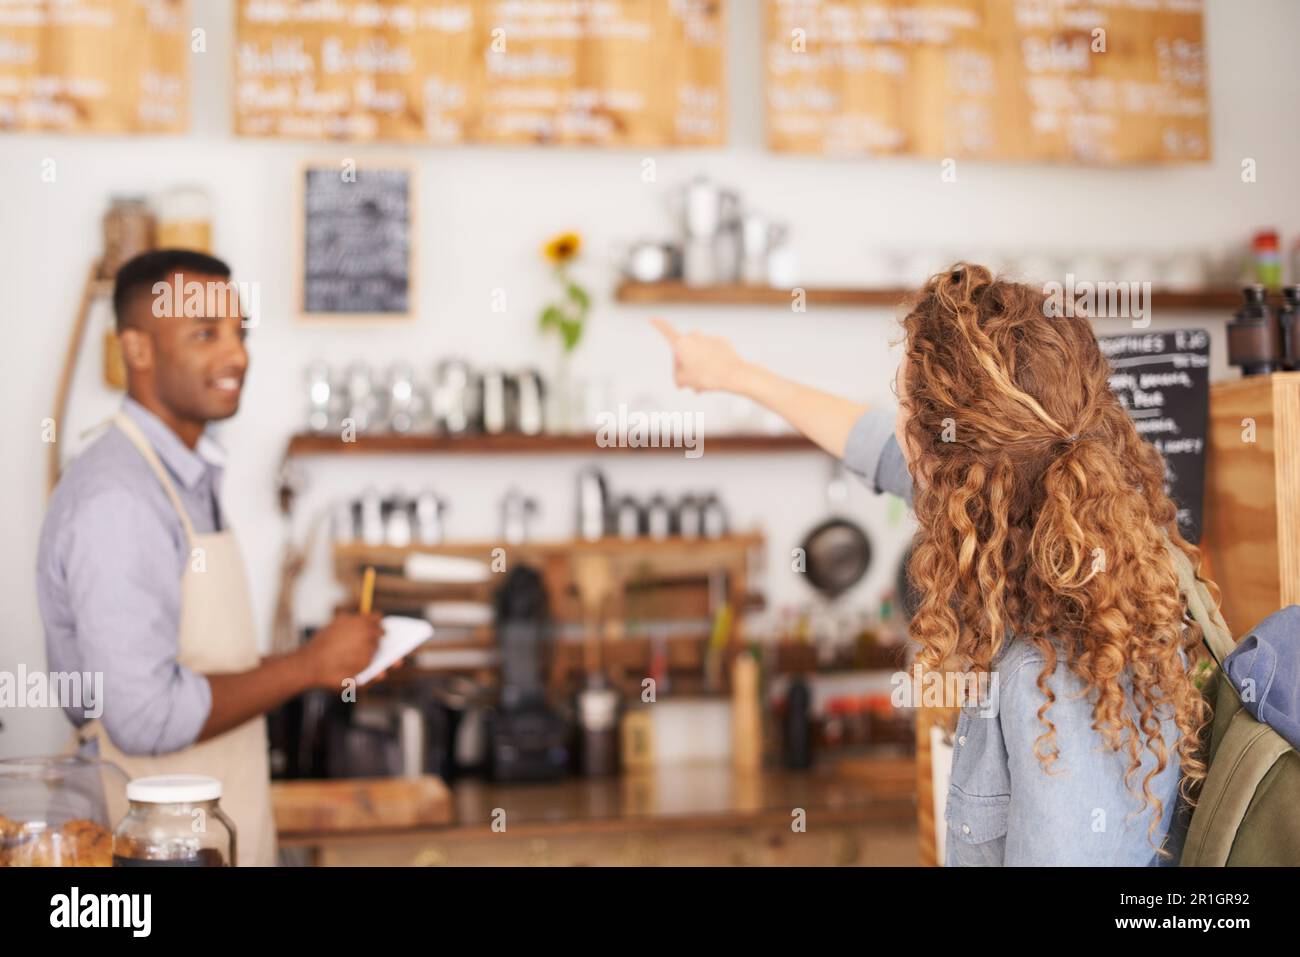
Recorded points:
(360, 804)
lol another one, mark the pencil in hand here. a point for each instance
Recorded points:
(367, 589)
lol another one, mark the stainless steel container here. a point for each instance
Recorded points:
(455, 397)
(530, 402)
(592, 505)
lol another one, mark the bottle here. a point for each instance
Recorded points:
(598, 721)
(1254, 336)
(1289, 320)
(1268, 259)
(636, 735)
(174, 820)
(833, 724)
(865, 653)
(746, 714)
(798, 724)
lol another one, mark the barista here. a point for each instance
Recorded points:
(139, 576)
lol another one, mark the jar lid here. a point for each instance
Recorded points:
(174, 789)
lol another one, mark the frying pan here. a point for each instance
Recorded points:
(837, 552)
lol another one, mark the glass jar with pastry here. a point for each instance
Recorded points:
(57, 811)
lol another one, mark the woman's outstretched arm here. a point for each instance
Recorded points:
(710, 363)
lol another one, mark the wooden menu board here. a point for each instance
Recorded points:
(1068, 80)
(93, 66)
(356, 241)
(613, 73)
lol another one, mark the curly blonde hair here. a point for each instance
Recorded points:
(1043, 514)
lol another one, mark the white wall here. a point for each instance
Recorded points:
(484, 213)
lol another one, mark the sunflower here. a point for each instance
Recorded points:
(568, 314)
(563, 248)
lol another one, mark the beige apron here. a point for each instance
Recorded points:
(216, 636)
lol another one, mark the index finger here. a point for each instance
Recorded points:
(665, 327)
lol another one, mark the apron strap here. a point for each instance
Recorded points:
(138, 439)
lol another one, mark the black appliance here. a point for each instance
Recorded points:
(527, 739)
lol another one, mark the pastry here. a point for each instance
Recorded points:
(78, 843)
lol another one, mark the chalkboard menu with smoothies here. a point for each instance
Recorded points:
(614, 73)
(94, 66)
(357, 241)
(1069, 80)
(1163, 380)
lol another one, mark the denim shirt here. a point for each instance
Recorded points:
(1002, 807)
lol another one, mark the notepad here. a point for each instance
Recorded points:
(401, 636)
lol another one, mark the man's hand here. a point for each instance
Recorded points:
(342, 649)
(339, 651)
(700, 362)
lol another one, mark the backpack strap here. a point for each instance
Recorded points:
(1247, 752)
(1202, 607)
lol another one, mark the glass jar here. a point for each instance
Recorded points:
(174, 820)
(58, 811)
(129, 229)
(185, 219)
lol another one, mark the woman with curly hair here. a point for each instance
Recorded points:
(1044, 561)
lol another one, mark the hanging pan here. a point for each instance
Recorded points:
(837, 552)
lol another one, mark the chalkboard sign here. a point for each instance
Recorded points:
(357, 241)
(1163, 380)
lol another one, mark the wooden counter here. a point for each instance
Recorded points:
(1252, 496)
(683, 815)
(350, 805)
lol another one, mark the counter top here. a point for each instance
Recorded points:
(680, 797)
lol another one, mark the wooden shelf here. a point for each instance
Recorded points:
(1209, 300)
(700, 552)
(652, 582)
(679, 294)
(513, 444)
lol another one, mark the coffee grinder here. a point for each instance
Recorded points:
(527, 739)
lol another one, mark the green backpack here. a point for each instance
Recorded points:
(1248, 811)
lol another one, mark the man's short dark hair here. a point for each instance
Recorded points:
(158, 265)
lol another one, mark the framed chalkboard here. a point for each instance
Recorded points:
(356, 240)
(1163, 381)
